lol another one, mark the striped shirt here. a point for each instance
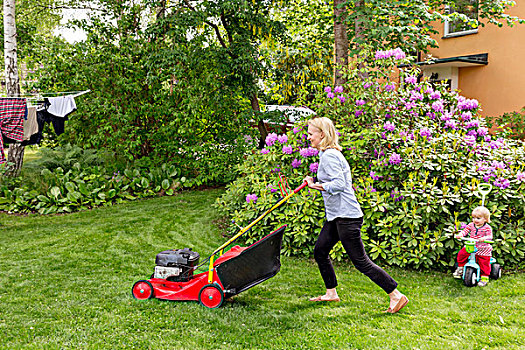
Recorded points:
(484, 249)
(12, 112)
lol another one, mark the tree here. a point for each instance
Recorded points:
(15, 155)
(379, 24)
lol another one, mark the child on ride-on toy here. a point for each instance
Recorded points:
(480, 230)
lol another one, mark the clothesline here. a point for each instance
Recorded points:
(46, 94)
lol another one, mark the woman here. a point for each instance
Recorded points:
(344, 217)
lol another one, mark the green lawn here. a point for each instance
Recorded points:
(65, 282)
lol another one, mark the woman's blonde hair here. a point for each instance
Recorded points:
(331, 138)
(483, 212)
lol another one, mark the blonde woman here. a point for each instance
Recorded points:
(344, 217)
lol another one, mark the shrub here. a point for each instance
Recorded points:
(417, 152)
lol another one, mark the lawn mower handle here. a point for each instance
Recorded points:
(303, 185)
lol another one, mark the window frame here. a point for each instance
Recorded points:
(446, 27)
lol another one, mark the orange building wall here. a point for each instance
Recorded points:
(500, 85)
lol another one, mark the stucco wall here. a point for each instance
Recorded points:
(500, 85)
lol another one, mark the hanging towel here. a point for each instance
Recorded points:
(61, 106)
(12, 112)
(31, 124)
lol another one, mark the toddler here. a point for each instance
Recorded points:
(480, 230)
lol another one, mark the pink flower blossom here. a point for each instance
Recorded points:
(265, 151)
(282, 139)
(251, 198)
(394, 158)
(296, 163)
(389, 126)
(314, 167)
(287, 149)
(411, 79)
(271, 138)
(338, 89)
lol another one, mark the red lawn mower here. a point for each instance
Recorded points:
(231, 273)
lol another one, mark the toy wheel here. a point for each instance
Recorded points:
(211, 296)
(471, 277)
(495, 271)
(142, 290)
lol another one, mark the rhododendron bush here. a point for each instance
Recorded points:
(418, 153)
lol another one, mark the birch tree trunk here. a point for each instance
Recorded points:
(340, 42)
(15, 155)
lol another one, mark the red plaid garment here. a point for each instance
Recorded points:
(11, 121)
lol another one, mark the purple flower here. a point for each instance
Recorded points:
(367, 85)
(470, 140)
(314, 167)
(429, 90)
(287, 149)
(463, 225)
(390, 87)
(374, 176)
(275, 170)
(410, 105)
(436, 95)
(446, 116)
(487, 138)
(296, 129)
(482, 131)
(330, 95)
(358, 113)
(271, 138)
(308, 152)
(438, 106)
(466, 116)
(411, 79)
(501, 183)
(265, 151)
(341, 98)
(338, 89)
(397, 53)
(520, 176)
(327, 89)
(359, 102)
(425, 132)
(431, 115)
(467, 104)
(495, 144)
(282, 139)
(416, 96)
(474, 123)
(389, 126)
(251, 198)
(451, 124)
(472, 133)
(394, 158)
(273, 190)
(296, 163)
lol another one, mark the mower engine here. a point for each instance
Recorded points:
(176, 264)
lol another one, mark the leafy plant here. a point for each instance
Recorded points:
(417, 152)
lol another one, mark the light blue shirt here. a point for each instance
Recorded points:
(335, 176)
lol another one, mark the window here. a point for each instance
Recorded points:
(458, 27)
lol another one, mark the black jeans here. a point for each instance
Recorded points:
(348, 231)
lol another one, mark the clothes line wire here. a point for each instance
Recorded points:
(46, 94)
